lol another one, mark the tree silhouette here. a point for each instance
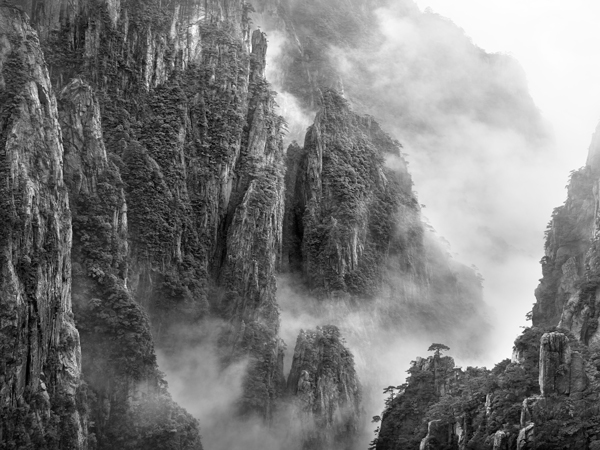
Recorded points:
(438, 349)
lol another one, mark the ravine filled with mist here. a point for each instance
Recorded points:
(286, 225)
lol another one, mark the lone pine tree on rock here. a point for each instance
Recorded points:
(438, 349)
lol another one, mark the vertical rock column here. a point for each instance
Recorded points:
(39, 344)
(561, 368)
(326, 390)
(555, 364)
(253, 244)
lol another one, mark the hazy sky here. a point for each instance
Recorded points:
(486, 189)
(556, 43)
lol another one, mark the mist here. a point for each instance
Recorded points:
(482, 157)
(484, 163)
(486, 169)
(210, 390)
(382, 353)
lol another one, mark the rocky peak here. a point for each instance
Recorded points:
(325, 389)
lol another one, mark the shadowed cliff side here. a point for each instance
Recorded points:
(130, 405)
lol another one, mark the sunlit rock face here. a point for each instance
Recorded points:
(325, 390)
(437, 436)
(40, 354)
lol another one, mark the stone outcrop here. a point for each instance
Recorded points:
(325, 390)
(347, 202)
(561, 369)
(437, 436)
(501, 440)
(526, 440)
(566, 295)
(555, 364)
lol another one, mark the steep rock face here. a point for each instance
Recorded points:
(566, 295)
(568, 292)
(437, 436)
(525, 441)
(402, 425)
(173, 163)
(254, 243)
(501, 440)
(172, 86)
(325, 390)
(555, 364)
(353, 230)
(193, 169)
(561, 369)
(119, 363)
(40, 355)
(347, 202)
